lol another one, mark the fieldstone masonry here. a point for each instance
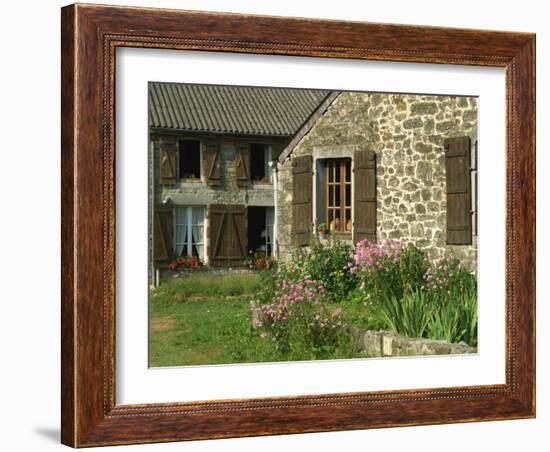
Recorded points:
(407, 133)
(386, 344)
(198, 193)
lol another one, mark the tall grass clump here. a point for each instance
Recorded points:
(208, 285)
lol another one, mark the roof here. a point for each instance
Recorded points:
(231, 109)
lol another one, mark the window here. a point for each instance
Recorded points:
(260, 229)
(189, 231)
(189, 159)
(260, 158)
(337, 195)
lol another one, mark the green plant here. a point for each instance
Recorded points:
(201, 285)
(299, 323)
(328, 262)
(447, 277)
(413, 265)
(388, 269)
(409, 315)
(444, 323)
(468, 317)
(259, 260)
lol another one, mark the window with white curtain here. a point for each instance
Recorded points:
(189, 231)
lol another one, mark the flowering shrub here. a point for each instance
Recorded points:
(258, 260)
(185, 263)
(371, 256)
(297, 321)
(446, 277)
(388, 269)
(328, 261)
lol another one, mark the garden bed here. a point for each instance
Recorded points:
(328, 302)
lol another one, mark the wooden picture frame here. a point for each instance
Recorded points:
(90, 36)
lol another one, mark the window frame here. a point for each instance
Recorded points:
(188, 244)
(180, 176)
(341, 184)
(268, 169)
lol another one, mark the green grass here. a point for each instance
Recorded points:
(196, 331)
(205, 319)
(205, 285)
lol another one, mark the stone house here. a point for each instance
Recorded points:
(240, 169)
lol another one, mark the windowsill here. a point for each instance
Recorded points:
(260, 184)
(190, 180)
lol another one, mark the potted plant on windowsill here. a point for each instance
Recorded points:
(322, 230)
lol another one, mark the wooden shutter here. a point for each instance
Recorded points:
(364, 212)
(168, 160)
(163, 233)
(227, 239)
(302, 194)
(242, 164)
(212, 163)
(459, 198)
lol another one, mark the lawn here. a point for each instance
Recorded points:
(205, 319)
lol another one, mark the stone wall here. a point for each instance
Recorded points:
(386, 344)
(198, 193)
(407, 133)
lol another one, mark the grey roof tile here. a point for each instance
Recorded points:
(231, 109)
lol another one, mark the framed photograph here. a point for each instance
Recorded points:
(281, 225)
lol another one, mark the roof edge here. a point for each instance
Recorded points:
(308, 125)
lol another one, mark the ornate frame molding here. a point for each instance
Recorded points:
(90, 37)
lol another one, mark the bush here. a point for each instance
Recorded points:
(298, 323)
(388, 270)
(410, 295)
(447, 277)
(328, 261)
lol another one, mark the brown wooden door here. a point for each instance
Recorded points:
(227, 235)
